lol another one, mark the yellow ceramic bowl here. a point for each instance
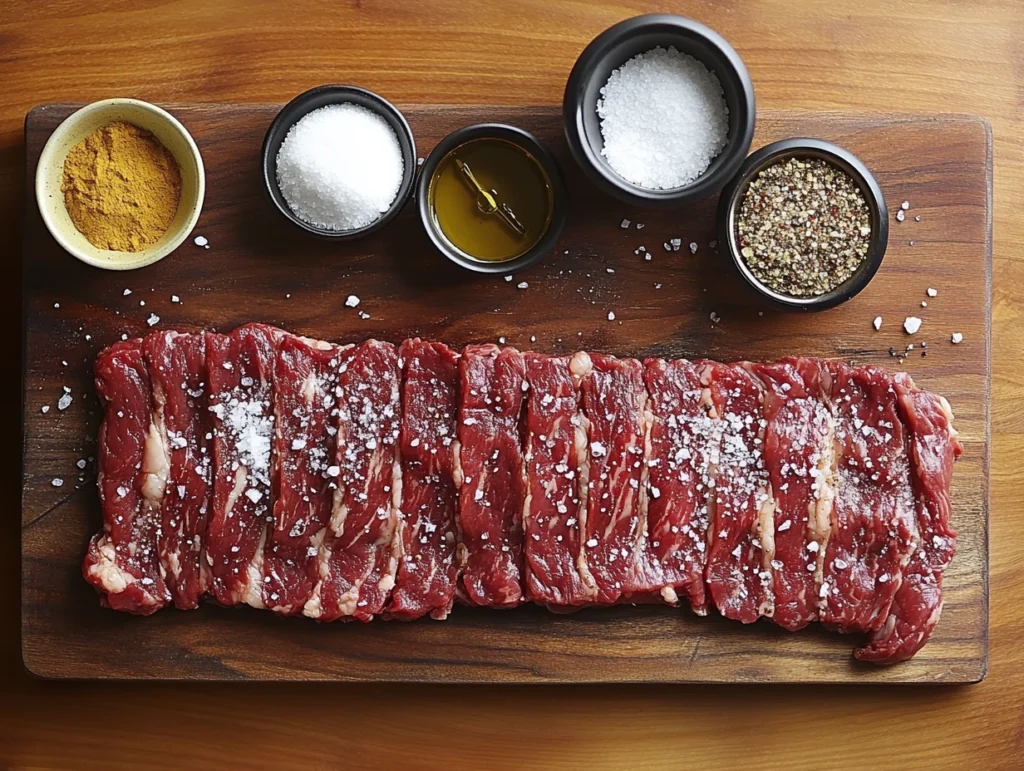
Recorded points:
(77, 127)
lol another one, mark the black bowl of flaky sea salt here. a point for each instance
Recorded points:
(659, 111)
(805, 224)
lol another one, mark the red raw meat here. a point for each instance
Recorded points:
(918, 603)
(799, 454)
(427, 572)
(738, 571)
(554, 514)
(177, 367)
(305, 378)
(359, 557)
(240, 367)
(490, 475)
(873, 530)
(123, 561)
(615, 547)
(682, 438)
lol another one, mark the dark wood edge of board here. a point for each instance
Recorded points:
(880, 117)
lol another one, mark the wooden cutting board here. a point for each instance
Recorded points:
(260, 267)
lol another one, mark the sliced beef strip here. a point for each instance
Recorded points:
(240, 370)
(305, 427)
(917, 604)
(555, 510)
(358, 559)
(616, 560)
(799, 455)
(490, 475)
(873, 527)
(177, 368)
(682, 439)
(738, 570)
(123, 560)
(427, 571)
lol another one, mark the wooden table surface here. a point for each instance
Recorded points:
(914, 55)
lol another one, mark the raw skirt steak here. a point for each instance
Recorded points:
(305, 424)
(555, 510)
(873, 531)
(427, 570)
(489, 472)
(799, 455)
(615, 554)
(739, 569)
(240, 367)
(123, 561)
(177, 368)
(683, 438)
(358, 559)
(347, 482)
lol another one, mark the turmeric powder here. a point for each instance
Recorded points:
(121, 187)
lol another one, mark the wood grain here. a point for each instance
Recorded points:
(259, 267)
(916, 55)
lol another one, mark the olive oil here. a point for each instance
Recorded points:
(491, 199)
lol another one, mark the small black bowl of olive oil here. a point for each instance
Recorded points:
(491, 198)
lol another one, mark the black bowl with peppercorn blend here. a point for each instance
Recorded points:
(805, 224)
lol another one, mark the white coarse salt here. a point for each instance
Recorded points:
(352, 301)
(57, 482)
(956, 338)
(877, 323)
(624, 224)
(340, 167)
(522, 285)
(64, 402)
(933, 292)
(153, 320)
(202, 241)
(911, 324)
(611, 315)
(126, 292)
(663, 119)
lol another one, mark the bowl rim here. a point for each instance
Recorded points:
(526, 141)
(598, 170)
(50, 148)
(281, 125)
(800, 147)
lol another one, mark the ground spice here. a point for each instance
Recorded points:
(121, 187)
(803, 227)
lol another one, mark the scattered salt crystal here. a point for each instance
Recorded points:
(917, 218)
(201, 241)
(715, 318)
(924, 303)
(657, 286)
(877, 323)
(911, 324)
(126, 292)
(956, 338)
(609, 270)
(522, 285)
(253, 495)
(905, 205)
(624, 224)
(639, 226)
(900, 216)
(611, 315)
(501, 340)
(508, 278)
(693, 247)
(153, 319)
(340, 167)
(676, 243)
(57, 482)
(45, 408)
(663, 118)
(64, 402)
(933, 292)
(352, 301)
(175, 298)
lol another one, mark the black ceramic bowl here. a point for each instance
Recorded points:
(533, 147)
(613, 48)
(321, 96)
(732, 197)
